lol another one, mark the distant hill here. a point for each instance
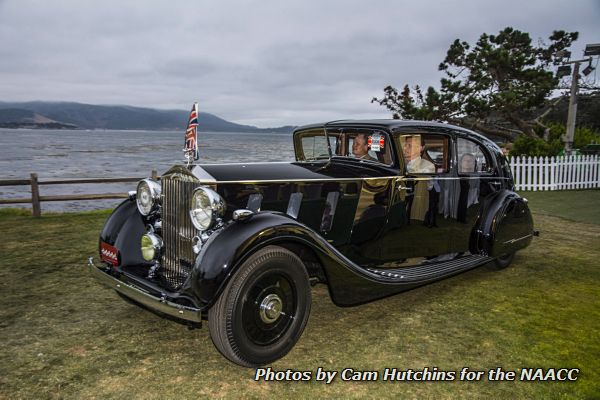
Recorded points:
(20, 118)
(88, 116)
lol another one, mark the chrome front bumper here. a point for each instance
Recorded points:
(160, 304)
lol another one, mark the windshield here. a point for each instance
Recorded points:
(363, 144)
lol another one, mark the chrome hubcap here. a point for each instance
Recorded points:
(270, 308)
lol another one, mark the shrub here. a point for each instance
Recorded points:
(536, 146)
(532, 146)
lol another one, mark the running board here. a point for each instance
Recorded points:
(431, 271)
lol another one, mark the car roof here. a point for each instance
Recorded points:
(393, 124)
(387, 123)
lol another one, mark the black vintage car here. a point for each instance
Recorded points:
(370, 208)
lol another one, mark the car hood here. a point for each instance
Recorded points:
(278, 171)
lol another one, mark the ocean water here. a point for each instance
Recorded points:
(54, 154)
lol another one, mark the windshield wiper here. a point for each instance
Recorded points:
(328, 149)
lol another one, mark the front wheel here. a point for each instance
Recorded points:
(263, 310)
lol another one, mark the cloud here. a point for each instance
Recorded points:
(256, 62)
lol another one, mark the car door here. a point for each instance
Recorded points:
(477, 182)
(418, 224)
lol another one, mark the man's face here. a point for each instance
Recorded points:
(412, 147)
(467, 164)
(408, 148)
(359, 146)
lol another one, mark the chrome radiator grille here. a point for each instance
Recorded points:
(177, 229)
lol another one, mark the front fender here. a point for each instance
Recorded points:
(124, 229)
(506, 225)
(227, 249)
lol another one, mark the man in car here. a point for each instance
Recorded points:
(422, 203)
(413, 150)
(360, 147)
(468, 163)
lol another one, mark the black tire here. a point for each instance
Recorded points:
(263, 310)
(503, 261)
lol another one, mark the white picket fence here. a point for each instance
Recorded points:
(556, 173)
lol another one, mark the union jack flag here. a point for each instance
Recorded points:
(191, 135)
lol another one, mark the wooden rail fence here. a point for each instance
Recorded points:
(36, 198)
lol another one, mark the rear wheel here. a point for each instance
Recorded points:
(263, 310)
(504, 260)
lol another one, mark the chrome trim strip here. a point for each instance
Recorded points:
(155, 303)
(449, 178)
(244, 163)
(511, 241)
(250, 181)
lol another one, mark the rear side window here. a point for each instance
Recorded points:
(472, 158)
(425, 153)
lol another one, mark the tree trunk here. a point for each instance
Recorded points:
(523, 126)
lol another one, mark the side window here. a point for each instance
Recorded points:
(370, 145)
(425, 153)
(472, 159)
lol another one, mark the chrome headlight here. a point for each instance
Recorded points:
(147, 195)
(207, 207)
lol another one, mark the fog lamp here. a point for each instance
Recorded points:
(151, 245)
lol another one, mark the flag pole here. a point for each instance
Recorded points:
(190, 149)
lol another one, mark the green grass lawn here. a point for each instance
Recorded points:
(576, 205)
(64, 336)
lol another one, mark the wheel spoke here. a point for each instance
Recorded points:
(269, 308)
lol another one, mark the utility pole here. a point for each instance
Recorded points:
(572, 116)
(591, 50)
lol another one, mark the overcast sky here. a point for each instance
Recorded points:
(265, 63)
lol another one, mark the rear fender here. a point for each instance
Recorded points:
(506, 225)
